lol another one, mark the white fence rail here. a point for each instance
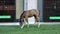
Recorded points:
(17, 23)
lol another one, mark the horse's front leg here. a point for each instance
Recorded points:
(22, 26)
(23, 23)
(27, 22)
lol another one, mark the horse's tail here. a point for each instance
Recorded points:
(39, 15)
(38, 11)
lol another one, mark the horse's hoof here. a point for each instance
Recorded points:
(21, 27)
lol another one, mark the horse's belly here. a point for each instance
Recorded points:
(30, 15)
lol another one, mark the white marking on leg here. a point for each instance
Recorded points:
(22, 26)
(23, 23)
(28, 25)
(38, 25)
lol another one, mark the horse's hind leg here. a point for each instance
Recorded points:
(38, 20)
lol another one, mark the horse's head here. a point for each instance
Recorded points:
(21, 21)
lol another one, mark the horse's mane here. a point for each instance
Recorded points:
(21, 15)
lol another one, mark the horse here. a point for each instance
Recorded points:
(29, 13)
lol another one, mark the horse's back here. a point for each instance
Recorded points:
(34, 11)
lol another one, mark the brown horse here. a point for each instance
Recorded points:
(29, 13)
